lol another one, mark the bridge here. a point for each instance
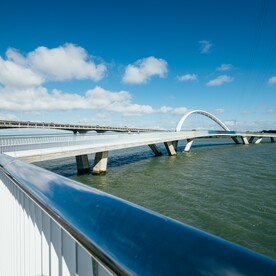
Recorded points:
(55, 226)
(6, 124)
(36, 149)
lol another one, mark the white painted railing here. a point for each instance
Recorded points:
(32, 243)
(51, 225)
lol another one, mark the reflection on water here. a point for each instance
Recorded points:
(225, 189)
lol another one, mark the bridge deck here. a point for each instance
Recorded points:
(4, 124)
(40, 151)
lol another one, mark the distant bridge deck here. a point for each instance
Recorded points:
(76, 128)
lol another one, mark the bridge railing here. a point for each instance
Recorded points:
(8, 144)
(51, 225)
(22, 143)
(13, 144)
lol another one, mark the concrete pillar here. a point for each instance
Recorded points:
(175, 144)
(82, 164)
(100, 163)
(155, 149)
(258, 141)
(272, 139)
(188, 145)
(235, 139)
(251, 139)
(170, 148)
(245, 141)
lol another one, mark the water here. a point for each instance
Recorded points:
(225, 189)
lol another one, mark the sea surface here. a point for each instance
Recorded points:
(222, 188)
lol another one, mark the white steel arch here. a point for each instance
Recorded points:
(201, 112)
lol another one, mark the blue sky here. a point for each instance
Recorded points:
(139, 63)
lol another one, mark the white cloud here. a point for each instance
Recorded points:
(272, 80)
(129, 109)
(15, 56)
(101, 98)
(14, 75)
(180, 110)
(225, 67)
(219, 80)
(166, 109)
(144, 69)
(118, 102)
(39, 99)
(66, 62)
(205, 46)
(187, 77)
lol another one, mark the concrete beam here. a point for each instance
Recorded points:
(258, 141)
(155, 149)
(188, 145)
(100, 163)
(244, 140)
(82, 164)
(170, 148)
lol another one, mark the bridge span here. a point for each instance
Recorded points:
(36, 149)
(76, 128)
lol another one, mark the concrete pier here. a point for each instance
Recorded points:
(82, 164)
(170, 148)
(235, 139)
(245, 140)
(258, 141)
(188, 145)
(155, 149)
(175, 144)
(100, 163)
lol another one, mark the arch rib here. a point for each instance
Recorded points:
(201, 112)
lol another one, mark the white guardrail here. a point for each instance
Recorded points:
(51, 225)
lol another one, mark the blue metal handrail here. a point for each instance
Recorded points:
(127, 238)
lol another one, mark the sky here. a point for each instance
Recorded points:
(139, 63)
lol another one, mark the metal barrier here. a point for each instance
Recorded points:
(51, 225)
